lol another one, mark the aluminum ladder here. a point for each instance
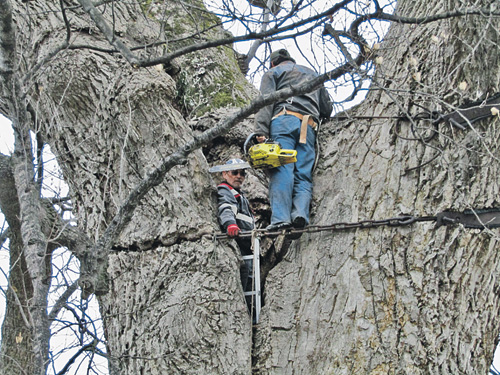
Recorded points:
(255, 293)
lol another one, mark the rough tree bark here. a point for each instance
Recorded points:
(109, 125)
(413, 300)
(16, 354)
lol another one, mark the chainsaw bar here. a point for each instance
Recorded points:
(473, 112)
(485, 218)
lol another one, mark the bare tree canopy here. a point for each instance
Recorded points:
(137, 98)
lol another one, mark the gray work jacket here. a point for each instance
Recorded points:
(317, 103)
(233, 208)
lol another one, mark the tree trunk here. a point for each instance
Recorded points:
(409, 300)
(17, 337)
(174, 300)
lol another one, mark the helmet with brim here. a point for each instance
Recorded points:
(231, 165)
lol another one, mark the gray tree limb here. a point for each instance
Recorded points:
(4, 236)
(61, 301)
(107, 31)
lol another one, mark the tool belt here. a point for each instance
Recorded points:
(306, 120)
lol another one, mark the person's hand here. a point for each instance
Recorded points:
(260, 138)
(233, 230)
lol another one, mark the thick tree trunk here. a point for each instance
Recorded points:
(174, 300)
(409, 300)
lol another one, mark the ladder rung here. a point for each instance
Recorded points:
(252, 292)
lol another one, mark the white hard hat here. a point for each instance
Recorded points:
(231, 165)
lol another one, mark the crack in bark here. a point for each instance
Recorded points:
(154, 244)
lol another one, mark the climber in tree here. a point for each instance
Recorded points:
(234, 213)
(292, 123)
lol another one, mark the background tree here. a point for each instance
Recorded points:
(126, 93)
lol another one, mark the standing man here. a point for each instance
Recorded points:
(291, 123)
(234, 214)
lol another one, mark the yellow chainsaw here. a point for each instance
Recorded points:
(268, 154)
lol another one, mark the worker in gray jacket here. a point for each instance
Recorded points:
(234, 213)
(292, 123)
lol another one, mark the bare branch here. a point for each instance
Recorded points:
(251, 36)
(58, 231)
(4, 236)
(89, 347)
(44, 61)
(265, 34)
(61, 301)
(436, 17)
(107, 31)
(66, 22)
(335, 34)
(26, 318)
(256, 44)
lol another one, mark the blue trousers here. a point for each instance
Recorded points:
(290, 186)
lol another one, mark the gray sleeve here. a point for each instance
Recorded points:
(264, 116)
(227, 207)
(325, 104)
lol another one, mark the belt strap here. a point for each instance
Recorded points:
(306, 120)
(303, 128)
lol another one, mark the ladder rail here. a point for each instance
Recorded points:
(256, 292)
(256, 277)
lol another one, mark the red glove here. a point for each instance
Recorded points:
(233, 230)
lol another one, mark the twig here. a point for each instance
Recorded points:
(92, 346)
(62, 300)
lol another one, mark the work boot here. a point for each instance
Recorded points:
(299, 222)
(278, 227)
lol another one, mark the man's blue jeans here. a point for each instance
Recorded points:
(290, 186)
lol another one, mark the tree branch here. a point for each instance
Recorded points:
(28, 322)
(257, 37)
(165, 59)
(380, 15)
(3, 237)
(433, 18)
(92, 346)
(257, 42)
(66, 22)
(7, 39)
(62, 300)
(58, 232)
(107, 31)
